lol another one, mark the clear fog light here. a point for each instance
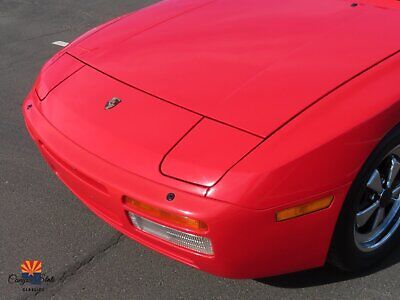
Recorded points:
(177, 237)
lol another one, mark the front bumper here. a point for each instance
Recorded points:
(247, 243)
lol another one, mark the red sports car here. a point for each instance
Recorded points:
(245, 138)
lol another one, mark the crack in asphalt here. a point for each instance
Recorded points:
(69, 272)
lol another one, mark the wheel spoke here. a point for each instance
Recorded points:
(363, 216)
(379, 217)
(396, 151)
(375, 182)
(393, 171)
(396, 193)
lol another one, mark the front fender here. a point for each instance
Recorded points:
(322, 149)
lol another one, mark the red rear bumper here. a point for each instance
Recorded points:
(247, 243)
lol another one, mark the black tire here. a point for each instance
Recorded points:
(344, 252)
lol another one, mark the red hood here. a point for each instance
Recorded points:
(253, 64)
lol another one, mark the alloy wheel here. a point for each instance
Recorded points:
(378, 212)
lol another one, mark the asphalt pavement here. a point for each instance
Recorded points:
(40, 218)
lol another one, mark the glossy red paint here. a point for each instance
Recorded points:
(240, 108)
(206, 152)
(247, 243)
(321, 149)
(135, 135)
(381, 3)
(242, 66)
(55, 73)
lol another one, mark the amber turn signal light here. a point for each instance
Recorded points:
(166, 216)
(304, 209)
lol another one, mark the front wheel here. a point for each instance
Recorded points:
(368, 227)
